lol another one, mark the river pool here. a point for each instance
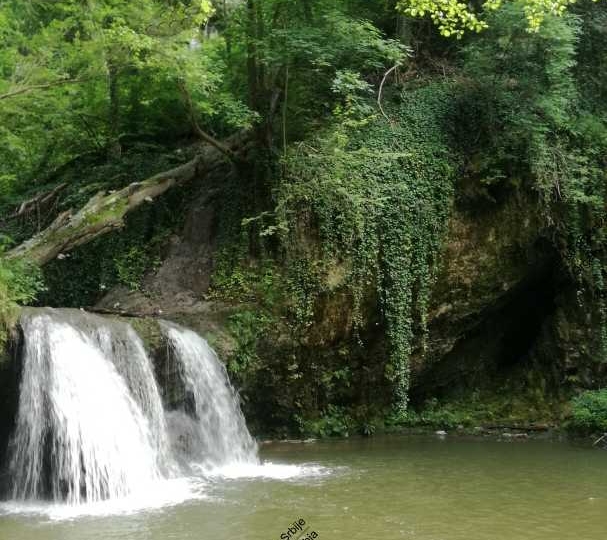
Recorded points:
(410, 487)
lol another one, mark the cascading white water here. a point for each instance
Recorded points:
(91, 424)
(122, 344)
(80, 435)
(216, 434)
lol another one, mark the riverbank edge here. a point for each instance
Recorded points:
(490, 433)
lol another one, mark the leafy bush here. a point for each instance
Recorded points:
(334, 422)
(247, 327)
(589, 412)
(236, 278)
(20, 281)
(443, 418)
(132, 265)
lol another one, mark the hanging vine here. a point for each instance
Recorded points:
(380, 200)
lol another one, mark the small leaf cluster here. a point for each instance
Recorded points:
(454, 18)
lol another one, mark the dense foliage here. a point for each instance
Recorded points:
(527, 125)
(380, 199)
(454, 18)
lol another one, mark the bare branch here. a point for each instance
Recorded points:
(381, 87)
(36, 202)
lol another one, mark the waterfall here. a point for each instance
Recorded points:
(80, 435)
(91, 424)
(216, 433)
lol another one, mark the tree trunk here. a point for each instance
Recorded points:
(252, 67)
(114, 148)
(307, 9)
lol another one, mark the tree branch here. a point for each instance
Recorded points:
(197, 129)
(36, 202)
(43, 86)
(103, 213)
(381, 87)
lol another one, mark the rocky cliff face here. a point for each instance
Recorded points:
(494, 292)
(504, 320)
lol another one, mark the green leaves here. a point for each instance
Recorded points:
(533, 119)
(77, 76)
(589, 412)
(521, 95)
(353, 108)
(454, 18)
(20, 282)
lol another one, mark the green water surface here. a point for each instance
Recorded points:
(387, 488)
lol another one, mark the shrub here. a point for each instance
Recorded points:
(334, 422)
(589, 412)
(20, 281)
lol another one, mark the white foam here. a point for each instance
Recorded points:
(167, 493)
(163, 494)
(266, 470)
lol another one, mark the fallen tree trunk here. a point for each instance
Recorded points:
(105, 211)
